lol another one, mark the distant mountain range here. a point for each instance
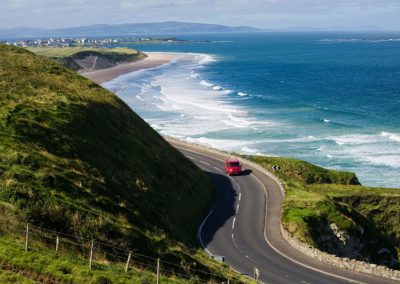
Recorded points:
(126, 30)
(159, 28)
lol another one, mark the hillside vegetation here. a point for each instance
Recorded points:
(42, 266)
(76, 159)
(330, 210)
(88, 59)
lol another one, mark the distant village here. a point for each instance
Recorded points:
(87, 42)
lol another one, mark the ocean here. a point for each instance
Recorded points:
(332, 99)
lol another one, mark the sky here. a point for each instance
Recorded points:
(257, 13)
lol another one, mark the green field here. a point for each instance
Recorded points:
(317, 197)
(76, 159)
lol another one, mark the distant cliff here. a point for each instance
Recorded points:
(89, 59)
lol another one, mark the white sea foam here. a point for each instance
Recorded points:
(194, 75)
(217, 88)
(225, 144)
(156, 126)
(302, 139)
(327, 120)
(206, 59)
(226, 92)
(387, 160)
(205, 83)
(248, 150)
(242, 94)
(379, 149)
(357, 40)
(391, 136)
(354, 139)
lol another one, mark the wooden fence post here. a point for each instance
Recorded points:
(158, 270)
(26, 237)
(91, 254)
(57, 242)
(127, 262)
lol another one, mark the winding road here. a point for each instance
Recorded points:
(244, 228)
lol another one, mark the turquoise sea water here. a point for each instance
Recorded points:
(331, 99)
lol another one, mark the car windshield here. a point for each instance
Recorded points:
(234, 164)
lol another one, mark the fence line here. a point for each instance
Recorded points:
(67, 245)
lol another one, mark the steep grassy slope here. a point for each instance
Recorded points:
(332, 211)
(84, 58)
(75, 158)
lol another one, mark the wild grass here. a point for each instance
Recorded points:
(9, 277)
(43, 266)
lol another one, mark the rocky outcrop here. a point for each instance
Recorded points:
(342, 262)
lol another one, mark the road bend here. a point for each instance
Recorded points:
(244, 228)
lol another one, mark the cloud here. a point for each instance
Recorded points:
(261, 13)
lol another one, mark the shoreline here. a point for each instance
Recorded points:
(152, 60)
(156, 59)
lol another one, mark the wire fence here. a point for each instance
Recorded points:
(98, 254)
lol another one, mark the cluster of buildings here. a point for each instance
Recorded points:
(86, 42)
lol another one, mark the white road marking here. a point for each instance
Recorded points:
(190, 157)
(233, 223)
(240, 196)
(233, 239)
(218, 169)
(249, 258)
(237, 208)
(204, 221)
(205, 163)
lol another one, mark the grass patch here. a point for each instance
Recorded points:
(9, 277)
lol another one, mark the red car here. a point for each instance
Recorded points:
(233, 167)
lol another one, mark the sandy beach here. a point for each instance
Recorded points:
(153, 59)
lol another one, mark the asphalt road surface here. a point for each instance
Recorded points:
(244, 228)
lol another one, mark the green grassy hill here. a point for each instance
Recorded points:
(85, 58)
(330, 210)
(75, 158)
